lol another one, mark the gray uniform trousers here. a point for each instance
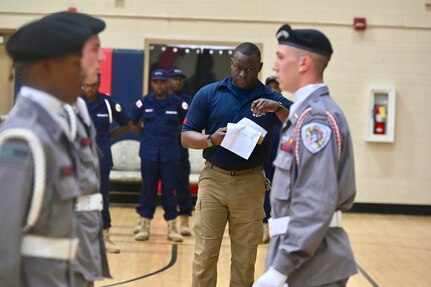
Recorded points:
(91, 262)
(56, 218)
(314, 176)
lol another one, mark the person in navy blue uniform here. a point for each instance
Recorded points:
(160, 113)
(184, 195)
(103, 111)
(231, 188)
(270, 82)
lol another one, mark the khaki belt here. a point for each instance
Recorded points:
(234, 172)
(280, 225)
(49, 247)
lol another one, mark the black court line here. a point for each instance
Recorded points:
(174, 254)
(368, 277)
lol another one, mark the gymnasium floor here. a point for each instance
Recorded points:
(391, 250)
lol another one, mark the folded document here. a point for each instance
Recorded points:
(242, 137)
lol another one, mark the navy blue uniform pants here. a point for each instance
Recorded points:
(104, 190)
(152, 172)
(184, 195)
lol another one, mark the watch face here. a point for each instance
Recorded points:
(210, 142)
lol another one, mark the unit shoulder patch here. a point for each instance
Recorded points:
(138, 103)
(315, 136)
(13, 156)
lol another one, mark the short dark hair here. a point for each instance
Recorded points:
(248, 49)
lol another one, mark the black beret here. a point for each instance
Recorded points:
(54, 35)
(307, 39)
(94, 24)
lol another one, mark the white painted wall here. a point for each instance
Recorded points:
(395, 51)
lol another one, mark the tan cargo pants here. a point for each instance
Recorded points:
(222, 198)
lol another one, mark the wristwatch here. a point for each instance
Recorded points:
(280, 105)
(210, 142)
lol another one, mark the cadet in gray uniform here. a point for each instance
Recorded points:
(38, 189)
(91, 262)
(314, 179)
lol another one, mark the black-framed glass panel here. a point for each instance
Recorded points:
(201, 63)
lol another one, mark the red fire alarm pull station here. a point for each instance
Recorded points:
(359, 24)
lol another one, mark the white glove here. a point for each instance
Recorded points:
(271, 278)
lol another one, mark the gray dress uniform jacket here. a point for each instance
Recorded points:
(56, 218)
(91, 259)
(314, 176)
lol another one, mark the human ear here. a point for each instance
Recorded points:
(304, 63)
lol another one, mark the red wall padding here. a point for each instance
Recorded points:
(106, 72)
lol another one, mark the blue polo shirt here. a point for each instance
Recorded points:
(184, 152)
(100, 116)
(161, 118)
(220, 103)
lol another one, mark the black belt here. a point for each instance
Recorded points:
(257, 169)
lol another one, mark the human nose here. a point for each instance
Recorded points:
(275, 66)
(242, 72)
(102, 56)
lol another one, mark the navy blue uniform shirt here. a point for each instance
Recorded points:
(100, 115)
(218, 104)
(159, 137)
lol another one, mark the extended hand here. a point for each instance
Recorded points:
(271, 278)
(261, 106)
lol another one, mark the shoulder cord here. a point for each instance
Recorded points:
(83, 113)
(39, 170)
(298, 131)
(83, 116)
(108, 106)
(333, 124)
(72, 120)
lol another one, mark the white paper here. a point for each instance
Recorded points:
(253, 125)
(240, 139)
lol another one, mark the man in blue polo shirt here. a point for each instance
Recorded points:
(161, 113)
(231, 188)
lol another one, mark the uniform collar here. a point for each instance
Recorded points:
(56, 125)
(52, 105)
(99, 100)
(301, 95)
(168, 99)
(257, 91)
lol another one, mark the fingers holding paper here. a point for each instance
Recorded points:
(218, 136)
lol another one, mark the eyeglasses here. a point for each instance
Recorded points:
(245, 70)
